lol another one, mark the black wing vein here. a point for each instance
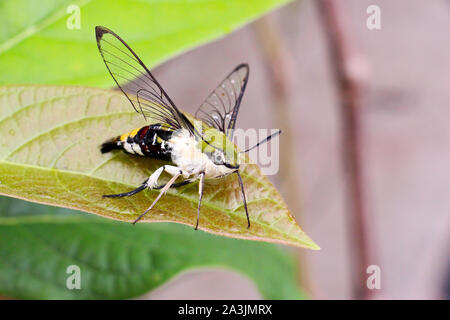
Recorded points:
(137, 83)
(221, 108)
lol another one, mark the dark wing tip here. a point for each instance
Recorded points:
(247, 70)
(243, 65)
(100, 31)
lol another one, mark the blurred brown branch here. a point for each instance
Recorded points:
(280, 66)
(349, 69)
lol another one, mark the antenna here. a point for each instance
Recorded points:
(267, 139)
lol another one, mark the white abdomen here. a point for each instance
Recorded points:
(189, 158)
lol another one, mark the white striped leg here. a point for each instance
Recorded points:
(161, 193)
(152, 181)
(200, 192)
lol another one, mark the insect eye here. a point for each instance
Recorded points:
(218, 157)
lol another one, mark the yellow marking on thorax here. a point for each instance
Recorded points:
(124, 137)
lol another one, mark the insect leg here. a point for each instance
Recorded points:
(127, 194)
(200, 192)
(152, 182)
(149, 183)
(162, 192)
(243, 198)
(175, 185)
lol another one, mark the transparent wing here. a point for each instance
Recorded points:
(137, 83)
(221, 108)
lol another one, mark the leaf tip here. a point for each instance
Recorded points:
(308, 243)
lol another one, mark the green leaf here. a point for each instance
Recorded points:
(118, 260)
(36, 46)
(49, 153)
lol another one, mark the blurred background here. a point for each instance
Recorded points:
(403, 70)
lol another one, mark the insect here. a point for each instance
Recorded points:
(196, 152)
